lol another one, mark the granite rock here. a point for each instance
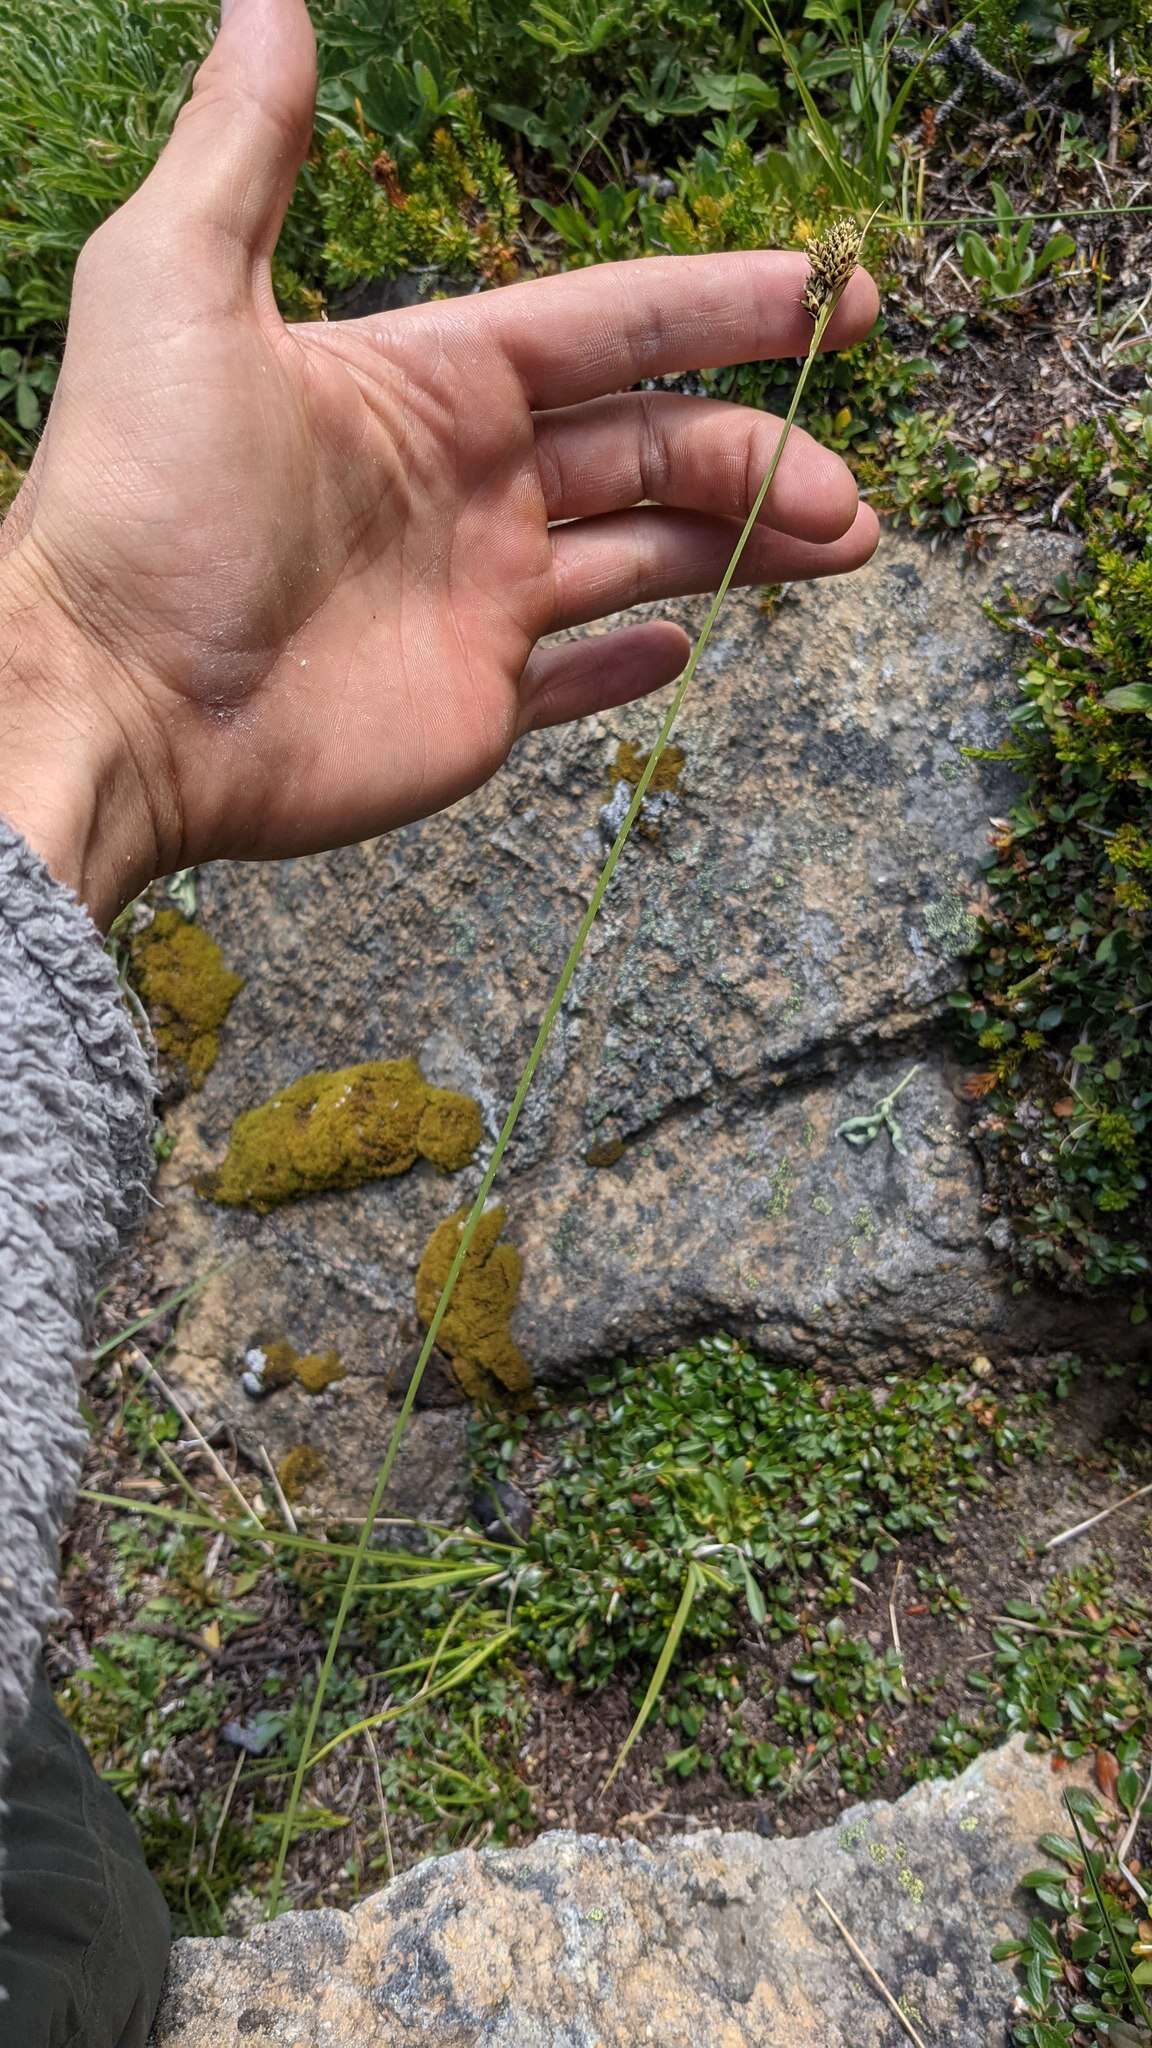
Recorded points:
(708, 1941)
(771, 960)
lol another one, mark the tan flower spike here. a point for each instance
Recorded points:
(832, 258)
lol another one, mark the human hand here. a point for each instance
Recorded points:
(269, 588)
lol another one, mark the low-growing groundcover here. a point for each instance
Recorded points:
(1084, 1964)
(1061, 986)
(816, 1513)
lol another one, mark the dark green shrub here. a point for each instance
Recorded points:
(1061, 984)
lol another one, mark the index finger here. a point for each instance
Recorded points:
(602, 329)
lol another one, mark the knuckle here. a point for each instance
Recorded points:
(550, 470)
(96, 251)
(108, 248)
(653, 452)
(648, 566)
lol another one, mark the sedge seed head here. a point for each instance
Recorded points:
(832, 258)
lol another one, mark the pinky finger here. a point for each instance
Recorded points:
(581, 677)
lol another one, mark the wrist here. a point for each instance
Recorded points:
(70, 780)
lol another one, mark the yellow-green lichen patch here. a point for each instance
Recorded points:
(604, 1152)
(338, 1129)
(313, 1370)
(475, 1332)
(449, 1129)
(298, 1469)
(630, 764)
(180, 973)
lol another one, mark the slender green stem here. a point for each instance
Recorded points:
(526, 1079)
(693, 1581)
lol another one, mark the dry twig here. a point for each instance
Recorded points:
(278, 1490)
(1130, 1836)
(872, 1974)
(374, 1760)
(1078, 1528)
(218, 1466)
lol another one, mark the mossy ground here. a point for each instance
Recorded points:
(340, 1128)
(187, 987)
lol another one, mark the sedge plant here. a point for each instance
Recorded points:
(832, 260)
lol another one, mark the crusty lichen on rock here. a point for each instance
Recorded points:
(475, 1333)
(180, 973)
(339, 1128)
(952, 928)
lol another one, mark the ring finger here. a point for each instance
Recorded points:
(698, 454)
(605, 565)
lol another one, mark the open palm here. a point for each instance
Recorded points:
(315, 562)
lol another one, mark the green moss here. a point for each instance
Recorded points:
(299, 1468)
(475, 1333)
(312, 1370)
(449, 1129)
(181, 976)
(338, 1129)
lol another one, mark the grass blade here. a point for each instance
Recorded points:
(453, 1678)
(692, 1585)
(1118, 1949)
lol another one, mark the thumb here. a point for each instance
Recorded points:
(238, 144)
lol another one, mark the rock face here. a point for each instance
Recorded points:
(710, 1941)
(771, 960)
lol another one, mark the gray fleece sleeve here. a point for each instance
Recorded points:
(75, 1122)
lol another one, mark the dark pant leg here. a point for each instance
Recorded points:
(84, 1958)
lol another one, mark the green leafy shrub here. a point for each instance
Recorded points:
(832, 1705)
(767, 1477)
(1084, 1969)
(836, 1704)
(457, 208)
(729, 197)
(1005, 264)
(1060, 997)
(606, 225)
(926, 479)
